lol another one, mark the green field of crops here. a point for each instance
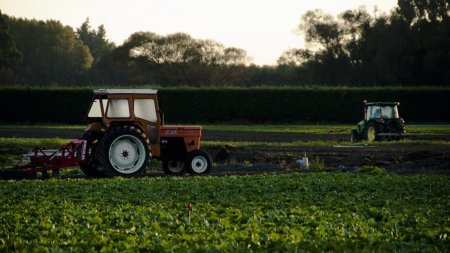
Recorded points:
(290, 212)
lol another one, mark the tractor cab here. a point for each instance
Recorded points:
(381, 121)
(381, 111)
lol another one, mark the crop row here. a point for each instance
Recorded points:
(222, 105)
(289, 212)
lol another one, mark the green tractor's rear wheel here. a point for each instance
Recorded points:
(124, 152)
(354, 136)
(371, 132)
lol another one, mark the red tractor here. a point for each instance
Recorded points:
(126, 129)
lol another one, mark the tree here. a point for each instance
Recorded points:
(326, 38)
(233, 56)
(9, 55)
(101, 48)
(294, 57)
(416, 11)
(321, 32)
(386, 52)
(352, 24)
(179, 59)
(408, 47)
(428, 23)
(96, 40)
(52, 54)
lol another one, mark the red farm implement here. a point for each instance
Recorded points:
(70, 155)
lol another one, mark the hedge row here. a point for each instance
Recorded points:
(274, 105)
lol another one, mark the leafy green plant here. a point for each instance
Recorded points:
(246, 163)
(6, 160)
(317, 164)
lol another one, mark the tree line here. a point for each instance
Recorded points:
(409, 46)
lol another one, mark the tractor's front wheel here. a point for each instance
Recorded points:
(372, 131)
(124, 152)
(198, 162)
(173, 167)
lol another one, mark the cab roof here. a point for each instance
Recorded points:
(125, 91)
(382, 103)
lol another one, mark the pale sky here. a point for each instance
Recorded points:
(264, 28)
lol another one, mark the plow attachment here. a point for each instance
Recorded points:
(69, 155)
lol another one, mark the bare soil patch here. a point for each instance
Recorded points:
(404, 159)
(411, 159)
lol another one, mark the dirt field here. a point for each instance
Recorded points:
(244, 160)
(404, 159)
(427, 159)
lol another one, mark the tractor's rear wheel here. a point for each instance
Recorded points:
(198, 162)
(92, 168)
(124, 152)
(372, 131)
(173, 167)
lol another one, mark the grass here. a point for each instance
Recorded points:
(29, 143)
(405, 143)
(307, 129)
(274, 128)
(43, 126)
(25, 144)
(319, 129)
(298, 212)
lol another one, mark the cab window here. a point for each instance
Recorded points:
(118, 108)
(95, 111)
(145, 109)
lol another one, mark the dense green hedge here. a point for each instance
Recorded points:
(187, 105)
(44, 105)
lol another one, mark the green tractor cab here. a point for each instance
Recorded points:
(381, 121)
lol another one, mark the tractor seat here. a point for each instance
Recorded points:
(376, 113)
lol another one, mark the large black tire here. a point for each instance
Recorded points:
(198, 162)
(93, 167)
(173, 167)
(371, 132)
(396, 126)
(123, 151)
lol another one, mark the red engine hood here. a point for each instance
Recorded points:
(182, 131)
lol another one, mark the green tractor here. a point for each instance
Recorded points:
(381, 121)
